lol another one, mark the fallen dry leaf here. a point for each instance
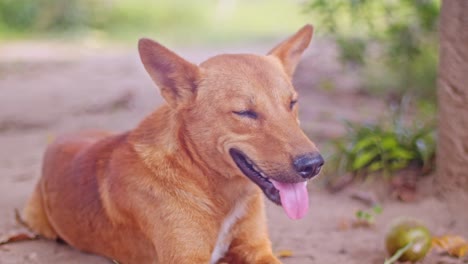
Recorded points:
(362, 224)
(50, 138)
(344, 224)
(405, 194)
(347, 224)
(455, 246)
(16, 237)
(285, 253)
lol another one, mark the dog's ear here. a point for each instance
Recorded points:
(177, 78)
(289, 51)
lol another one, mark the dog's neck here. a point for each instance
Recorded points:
(161, 135)
(157, 131)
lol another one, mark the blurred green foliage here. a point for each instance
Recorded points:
(394, 42)
(175, 20)
(41, 15)
(387, 146)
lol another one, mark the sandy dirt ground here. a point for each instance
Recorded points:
(47, 89)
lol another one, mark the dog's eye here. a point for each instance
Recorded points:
(246, 113)
(292, 104)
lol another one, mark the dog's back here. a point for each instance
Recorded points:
(63, 149)
(73, 172)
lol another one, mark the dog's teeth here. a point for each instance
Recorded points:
(254, 167)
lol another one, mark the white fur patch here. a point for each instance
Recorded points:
(224, 238)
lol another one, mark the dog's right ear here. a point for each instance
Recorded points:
(177, 78)
(289, 51)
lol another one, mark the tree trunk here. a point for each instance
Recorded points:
(452, 149)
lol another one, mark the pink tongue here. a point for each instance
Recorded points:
(294, 198)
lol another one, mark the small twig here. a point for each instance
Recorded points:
(367, 198)
(399, 253)
(20, 220)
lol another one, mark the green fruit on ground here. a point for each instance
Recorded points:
(408, 231)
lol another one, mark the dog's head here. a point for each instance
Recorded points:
(240, 112)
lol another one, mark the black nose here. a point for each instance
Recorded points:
(308, 165)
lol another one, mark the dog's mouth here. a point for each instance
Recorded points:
(292, 196)
(248, 167)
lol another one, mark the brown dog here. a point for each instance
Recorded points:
(186, 185)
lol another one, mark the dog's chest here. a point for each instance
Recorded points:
(224, 236)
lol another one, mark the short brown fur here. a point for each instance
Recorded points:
(160, 193)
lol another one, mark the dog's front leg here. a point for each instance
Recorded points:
(252, 255)
(251, 243)
(183, 244)
(180, 237)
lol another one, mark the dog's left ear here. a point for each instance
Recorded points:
(177, 78)
(289, 51)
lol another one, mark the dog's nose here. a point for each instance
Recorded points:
(308, 165)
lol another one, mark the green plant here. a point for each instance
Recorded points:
(393, 42)
(386, 146)
(368, 216)
(43, 15)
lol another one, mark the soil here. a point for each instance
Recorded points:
(51, 88)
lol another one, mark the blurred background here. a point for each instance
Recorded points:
(124, 20)
(385, 50)
(367, 88)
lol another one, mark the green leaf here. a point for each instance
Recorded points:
(375, 166)
(363, 159)
(360, 214)
(398, 165)
(401, 153)
(389, 142)
(363, 144)
(370, 218)
(377, 209)
(367, 216)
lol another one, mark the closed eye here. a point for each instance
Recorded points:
(246, 113)
(292, 104)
